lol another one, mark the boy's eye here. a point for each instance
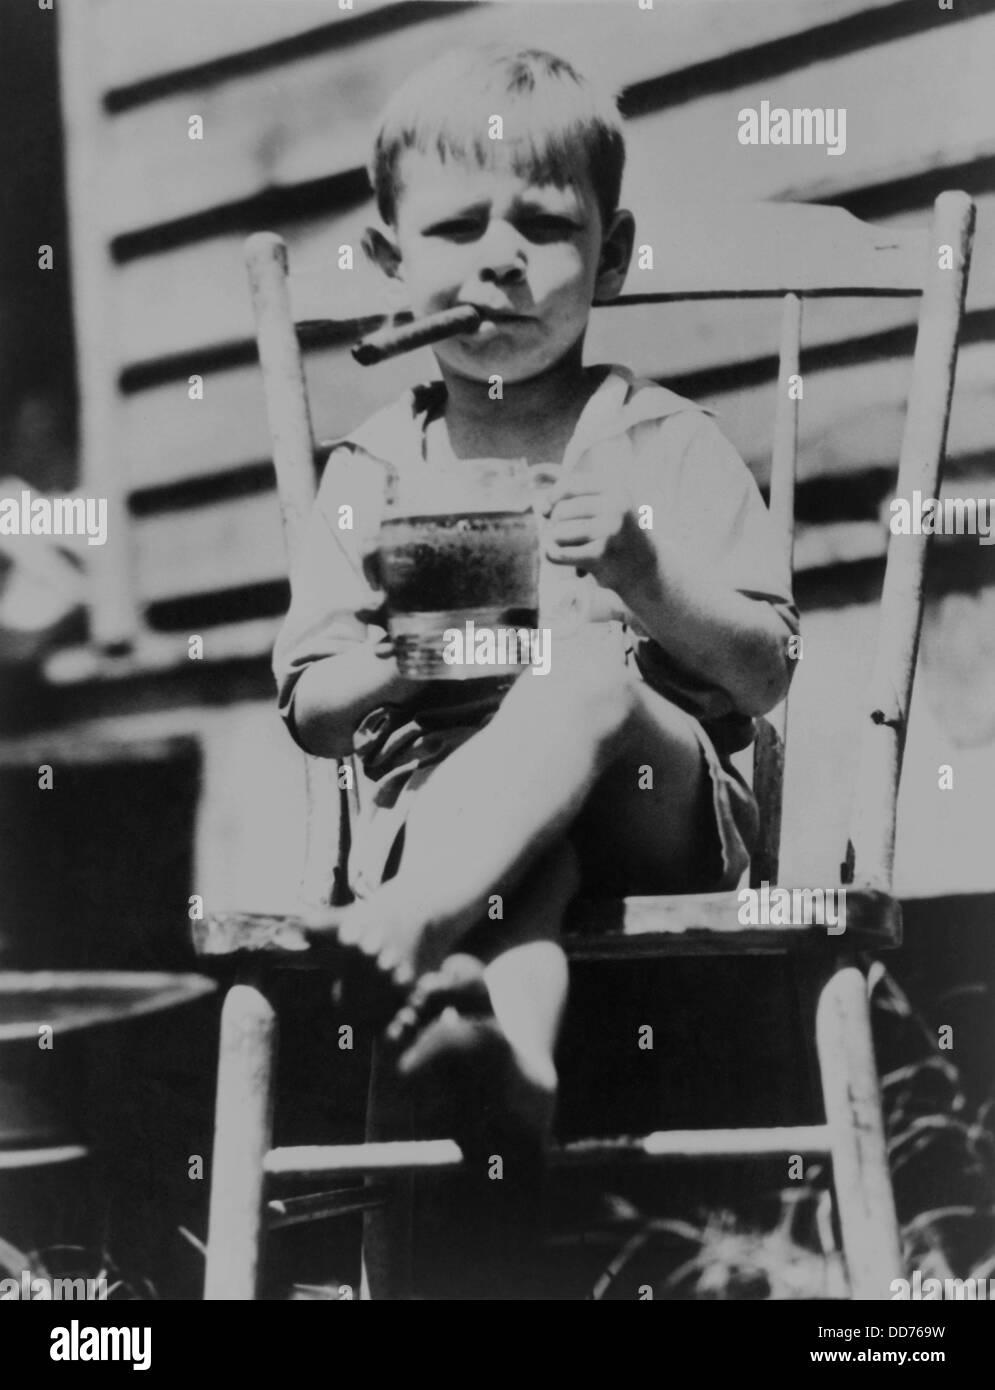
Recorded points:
(536, 227)
(547, 227)
(461, 227)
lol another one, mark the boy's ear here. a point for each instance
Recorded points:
(616, 252)
(383, 252)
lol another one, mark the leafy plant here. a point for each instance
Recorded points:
(70, 1262)
(942, 1156)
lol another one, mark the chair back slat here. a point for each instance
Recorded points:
(767, 249)
(871, 848)
(768, 752)
(329, 807)
(285, 391)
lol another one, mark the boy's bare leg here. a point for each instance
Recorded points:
(488, 1025)
(502, 800)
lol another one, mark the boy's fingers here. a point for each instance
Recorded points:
(585, 504)
(570, 488)
(572, 533)
(580, 532)
(576, 554)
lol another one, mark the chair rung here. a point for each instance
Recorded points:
(404, 1156)
(399, 1156)
(11, 1159)
(322, 1206)
(695, 1143)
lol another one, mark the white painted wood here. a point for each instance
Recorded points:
(920, 468)
(242, 1136)
(112, 609)
(861, 1179)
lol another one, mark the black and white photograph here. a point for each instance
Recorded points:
(497, 661)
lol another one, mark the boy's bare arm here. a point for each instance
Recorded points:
(736, 642)
(335, 694)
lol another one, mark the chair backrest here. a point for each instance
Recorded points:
(774, 251)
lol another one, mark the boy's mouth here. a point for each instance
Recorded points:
(500, 315)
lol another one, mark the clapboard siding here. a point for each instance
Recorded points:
(314, 116)
(146, 41)
(215, 547)
(850, 416)
(179, 40)
(167, 436)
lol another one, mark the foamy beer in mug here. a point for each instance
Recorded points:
(458, 552)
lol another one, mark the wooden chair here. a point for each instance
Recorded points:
(788, 252)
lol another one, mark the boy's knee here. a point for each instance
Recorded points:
(607, 706)
(601, 696)
(588, 687)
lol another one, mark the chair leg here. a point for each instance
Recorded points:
(243, 1133)
(388, 1233)
(865, 1200)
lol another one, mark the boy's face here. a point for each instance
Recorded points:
(530, 255)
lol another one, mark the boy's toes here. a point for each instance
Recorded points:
(450, 1035)
(458, 984)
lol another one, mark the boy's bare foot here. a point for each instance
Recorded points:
(403, 946)
(495, 1099)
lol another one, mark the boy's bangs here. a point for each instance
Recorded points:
(539, 156)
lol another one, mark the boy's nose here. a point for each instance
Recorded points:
(502, 255)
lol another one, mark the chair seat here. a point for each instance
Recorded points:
(693, 924)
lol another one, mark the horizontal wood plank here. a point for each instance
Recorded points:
(219, 547)
(161, 652)
(143, 39)
(852, 417)
(166, 437)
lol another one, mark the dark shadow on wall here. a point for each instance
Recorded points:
(38, 402)
(97, 868)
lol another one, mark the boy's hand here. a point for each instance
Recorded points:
(592, 525)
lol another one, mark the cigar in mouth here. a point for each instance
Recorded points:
(388, 342)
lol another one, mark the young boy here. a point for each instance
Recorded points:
(487, 804)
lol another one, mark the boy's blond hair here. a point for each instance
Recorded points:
(557, 126)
